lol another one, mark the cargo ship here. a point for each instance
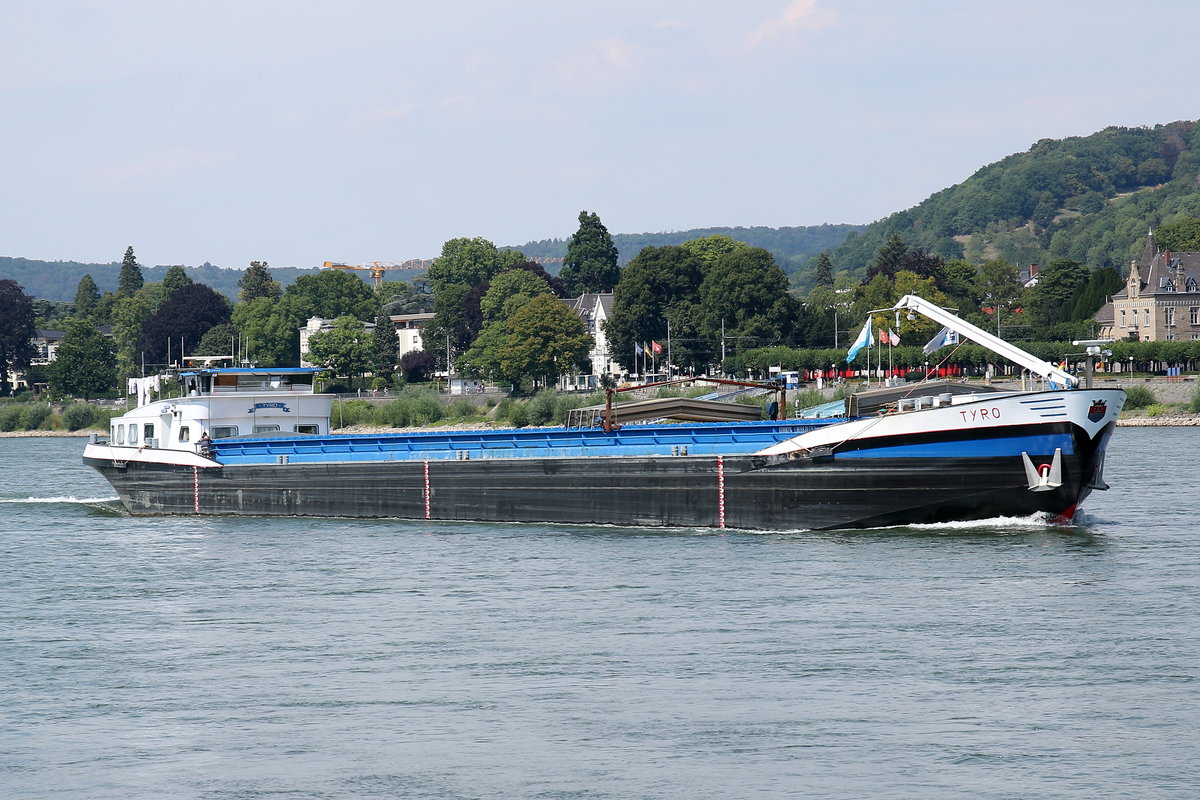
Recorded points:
(922, 452)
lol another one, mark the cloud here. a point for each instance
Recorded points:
(599, 63)
(380, 117)
(800, 16)
(156, 166)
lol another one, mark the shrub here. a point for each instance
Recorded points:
(426, 408)
(809, 398)
(77, 416)
(565, 403)
(462, 407)
(518, 415)
(1157, 409)
(352, 412)
(396, 414)
(1139, 397)
(35, 416)
(1193, 404)
(10, 417)
(541, 408)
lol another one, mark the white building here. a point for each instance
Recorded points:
(408, 332)
(594, 310)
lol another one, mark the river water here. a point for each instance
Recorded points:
(192, 657)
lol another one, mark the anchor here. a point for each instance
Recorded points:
(1044, 477)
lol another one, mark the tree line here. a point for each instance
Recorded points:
(718, 303)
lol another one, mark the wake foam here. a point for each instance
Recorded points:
(61, 499)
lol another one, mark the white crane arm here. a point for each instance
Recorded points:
(910, 302)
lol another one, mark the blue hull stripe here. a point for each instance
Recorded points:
(972, 448)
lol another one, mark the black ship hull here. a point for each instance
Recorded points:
(813, 491)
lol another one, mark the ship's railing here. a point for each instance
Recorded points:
(263, 387)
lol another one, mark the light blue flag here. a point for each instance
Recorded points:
(943, 337)
(863, 340)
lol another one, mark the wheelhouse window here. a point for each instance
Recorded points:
(266, 428)
(307, 429)
(224, 431)
(119, 434)
(147, 432)
(133, 433)
(185, 433)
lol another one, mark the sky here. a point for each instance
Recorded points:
(306, 131)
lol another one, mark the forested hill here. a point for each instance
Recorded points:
(792, 247)
(58, 280)
(1090, 199)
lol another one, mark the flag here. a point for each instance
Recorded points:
(637, 348)
(895, 337)
(863, 340)
(655, 347)
(943, 337)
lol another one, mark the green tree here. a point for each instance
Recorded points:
(659, 283)
(959, 279)
(470, 262)
(889, 259)
(126, 316)
(546, 339)
(513, 286)
(175, 279)
(1102, 284)
(711, 249)
(484, 358)
(180, 323)
(398, 297)
(328, 294)
(749, 293)
(219, 340)
(1059, 284)
(1180, 236)
(823, 270)
(386, 346)
(85, 365)
(591, 261)
(257, 282)
(347, 349)
(87, 295)
(130, 278)
(262, 341)
(16, 332)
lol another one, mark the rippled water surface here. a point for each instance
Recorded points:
(191, 657)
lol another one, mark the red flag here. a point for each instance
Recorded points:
(656, 347)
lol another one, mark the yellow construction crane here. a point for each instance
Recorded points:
(377, 268)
